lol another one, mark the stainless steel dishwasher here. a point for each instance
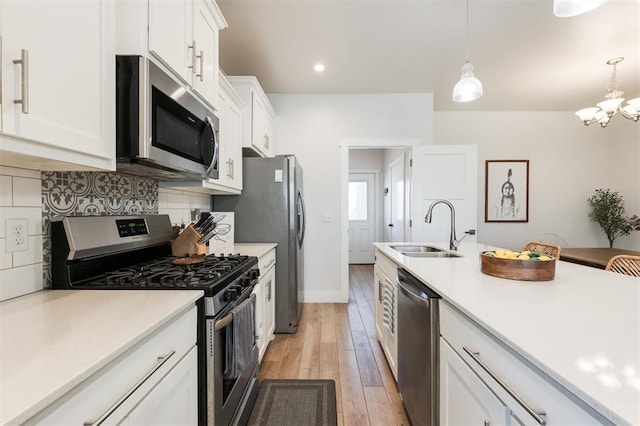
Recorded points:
(418, 349)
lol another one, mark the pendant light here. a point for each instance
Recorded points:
(469, 88)
(568, 8)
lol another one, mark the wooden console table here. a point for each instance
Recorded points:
(594, 257)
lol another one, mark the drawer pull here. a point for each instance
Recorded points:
(161, 360)
(271, 262)
(537, 414)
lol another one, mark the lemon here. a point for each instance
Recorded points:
(524, 256)
(544, 258)
(511, 254)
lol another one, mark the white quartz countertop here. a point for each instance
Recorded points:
(248, 249)
(582, 328)
(50, 341)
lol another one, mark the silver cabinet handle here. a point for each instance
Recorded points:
(24, 77)
(271, 262)
(266, 141)
(269, 290)
(537, 414)
(379, 291)
(229, 172)
(161, 361)
(192, 67)
(201, 57)
(233, 168)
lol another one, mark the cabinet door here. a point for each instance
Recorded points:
(378, 283)
(259, 316)
(174, 401)
(464, 398)
(205, 34)
(170, 36)
(65, 79)
(230, 115)
(269, 306)
(261, 123)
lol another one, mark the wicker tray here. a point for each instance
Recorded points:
(515, 269)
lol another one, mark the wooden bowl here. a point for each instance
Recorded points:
(516, 269)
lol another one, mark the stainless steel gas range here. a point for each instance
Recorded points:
(134, 252)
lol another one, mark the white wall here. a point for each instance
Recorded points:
(20, 197)
(311, 127)
(567, 162)
(368, 158)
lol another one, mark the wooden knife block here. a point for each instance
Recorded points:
(186, 244)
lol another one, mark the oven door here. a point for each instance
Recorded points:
(229, 400)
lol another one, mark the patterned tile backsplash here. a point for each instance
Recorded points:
(92, 194)
(39, 196)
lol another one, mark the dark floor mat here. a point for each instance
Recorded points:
(295, 403)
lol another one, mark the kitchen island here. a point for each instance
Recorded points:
(581, 331)
(54, 341)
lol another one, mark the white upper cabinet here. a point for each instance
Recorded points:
(183, 35)
(231, 108)
(57, 97)
(258, 116)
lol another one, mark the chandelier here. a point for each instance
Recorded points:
(606, 109)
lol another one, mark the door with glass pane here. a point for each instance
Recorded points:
(361, 217)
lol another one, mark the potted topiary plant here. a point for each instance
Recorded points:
(607, 209)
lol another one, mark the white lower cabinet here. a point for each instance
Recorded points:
(386, 304)
(155, 382)
(265, 301)
(464, 398)
(482, 380)
(174, 400)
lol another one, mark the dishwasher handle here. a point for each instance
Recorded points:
(413, 288)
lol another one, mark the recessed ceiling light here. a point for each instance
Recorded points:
(319, 68)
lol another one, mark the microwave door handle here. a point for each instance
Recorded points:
(216, 146)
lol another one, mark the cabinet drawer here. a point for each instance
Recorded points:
(387, 266)
(520, 385)
(100, 391)
(267, 261)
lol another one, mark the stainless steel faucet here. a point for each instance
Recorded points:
(453, 240)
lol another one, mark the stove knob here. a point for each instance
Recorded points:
(254, 273)
(244, 282)
(230, 294)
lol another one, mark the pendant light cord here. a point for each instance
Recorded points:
(467, 51)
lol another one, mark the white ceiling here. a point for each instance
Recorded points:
(526, 58)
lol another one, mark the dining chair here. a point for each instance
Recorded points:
(624, 264)
(551, 250)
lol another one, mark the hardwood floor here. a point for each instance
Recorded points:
(338, 341)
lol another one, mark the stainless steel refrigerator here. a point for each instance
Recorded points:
(271, 210)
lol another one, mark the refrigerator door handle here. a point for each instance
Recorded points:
(301, 218)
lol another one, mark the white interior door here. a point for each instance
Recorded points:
(362, 216)
(447, 172)
(396, 199)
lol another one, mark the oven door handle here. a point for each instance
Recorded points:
(222, 323)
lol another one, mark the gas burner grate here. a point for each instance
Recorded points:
(161, 273)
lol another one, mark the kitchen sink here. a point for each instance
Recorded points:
(421, 250)
(417, 249)
(431, 254)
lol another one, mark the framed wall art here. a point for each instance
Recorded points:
(506, 196)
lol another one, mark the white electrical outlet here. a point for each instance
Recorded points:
(17, 234)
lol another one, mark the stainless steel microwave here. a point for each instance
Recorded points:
(162, 130)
